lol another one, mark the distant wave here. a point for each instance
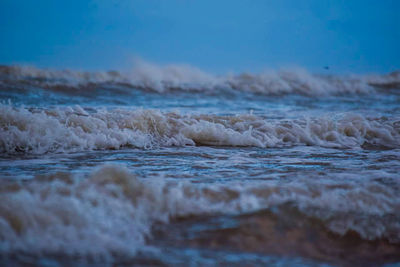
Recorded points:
(33, 130)
(146, 76)
(111, 212)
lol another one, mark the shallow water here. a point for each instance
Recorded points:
(175, 166)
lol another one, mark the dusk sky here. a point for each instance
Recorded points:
(217, 36)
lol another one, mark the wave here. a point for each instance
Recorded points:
(70, 129)
(112, 212)
(161, 79)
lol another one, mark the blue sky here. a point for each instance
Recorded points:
(217, 36)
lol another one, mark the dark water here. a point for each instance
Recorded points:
(178, 167)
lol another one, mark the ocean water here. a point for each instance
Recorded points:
(171, 166)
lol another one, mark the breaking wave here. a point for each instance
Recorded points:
(161, 79)
(32, 130)
(111, 212)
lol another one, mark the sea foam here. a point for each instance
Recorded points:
(69, 129)
(111, 212)
(161, 79)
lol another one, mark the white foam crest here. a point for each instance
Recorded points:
(74, 129)
(69, 129)
(391, 80)
(343, 203)
(298, 81)
(71, 78)
(160, 78)
(290, 81)
(111, 212)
